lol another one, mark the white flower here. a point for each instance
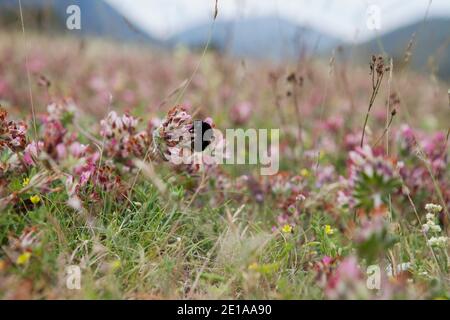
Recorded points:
(430, 216)
(436, 228)
(433, 241)
(430, 225)
(438, 241)
(435, 208)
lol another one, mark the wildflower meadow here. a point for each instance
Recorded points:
(111, 186)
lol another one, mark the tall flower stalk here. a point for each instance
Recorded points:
(376, 67)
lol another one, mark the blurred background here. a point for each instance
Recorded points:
(263, 29)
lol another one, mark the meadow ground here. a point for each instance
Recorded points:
(81, 183)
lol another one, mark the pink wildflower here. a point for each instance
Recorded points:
(241, 113)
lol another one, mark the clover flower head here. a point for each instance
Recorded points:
(57, 110)
(121, 137)
(115, 126)
(372, 177)
(173, 134)
(173, 141)
(12, 133)
(77, 149)
(31, 152)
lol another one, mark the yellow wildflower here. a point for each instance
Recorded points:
(254, 266)
(35, 199)
(25, 182)
(116, 264)
(23, 258)
(304, 172)
(328, 229)
(286, 228)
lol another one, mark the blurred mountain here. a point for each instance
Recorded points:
(267, 37)
(98, 19)
(431, 46)
(259, 37)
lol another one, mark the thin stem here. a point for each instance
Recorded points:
(30, 91)
(385, 131)
(371, 102)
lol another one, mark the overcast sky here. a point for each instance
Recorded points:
(342, 18)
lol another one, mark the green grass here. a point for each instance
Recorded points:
(198, 240)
